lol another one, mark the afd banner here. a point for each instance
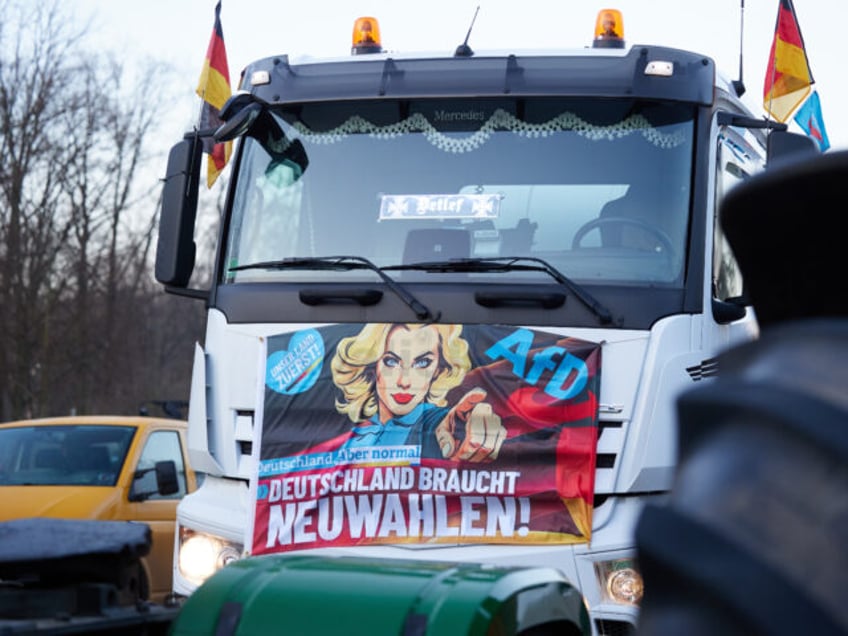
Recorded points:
(425, 433)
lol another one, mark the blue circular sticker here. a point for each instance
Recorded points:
(296, 369)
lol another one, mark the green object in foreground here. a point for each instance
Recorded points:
(312, 595)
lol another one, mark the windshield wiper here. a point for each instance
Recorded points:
(345, 263)
(512, 263)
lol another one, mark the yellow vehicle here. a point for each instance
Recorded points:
(116, 468)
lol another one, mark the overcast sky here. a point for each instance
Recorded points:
(177, 32)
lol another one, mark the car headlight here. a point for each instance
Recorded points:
(201, 554)
(621, 582)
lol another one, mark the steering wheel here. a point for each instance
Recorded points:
(661, 237)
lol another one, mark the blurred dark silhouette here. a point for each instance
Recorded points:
(752, 539)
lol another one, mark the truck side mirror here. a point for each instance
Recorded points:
(166, 477)
(175, 250)
(239, 123)
(785, 146)
(167, 482)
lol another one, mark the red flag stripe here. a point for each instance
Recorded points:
(787, 24)
(815, 133)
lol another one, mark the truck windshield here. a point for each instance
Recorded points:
(598, 189)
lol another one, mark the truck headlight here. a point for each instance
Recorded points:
(621, 581)
(201, 554)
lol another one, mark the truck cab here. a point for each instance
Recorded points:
(558, 207)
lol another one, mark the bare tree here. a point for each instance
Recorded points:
(83, 324)
(34, 70)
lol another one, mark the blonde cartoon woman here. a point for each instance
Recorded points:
(394, 379)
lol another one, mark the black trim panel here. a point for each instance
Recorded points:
(631, 307)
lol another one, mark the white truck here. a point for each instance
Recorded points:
(456, 296)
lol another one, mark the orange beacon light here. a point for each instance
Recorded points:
(609, 29)
(366, 36)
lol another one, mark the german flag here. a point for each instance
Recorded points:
(214, 89)
(788, 77)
